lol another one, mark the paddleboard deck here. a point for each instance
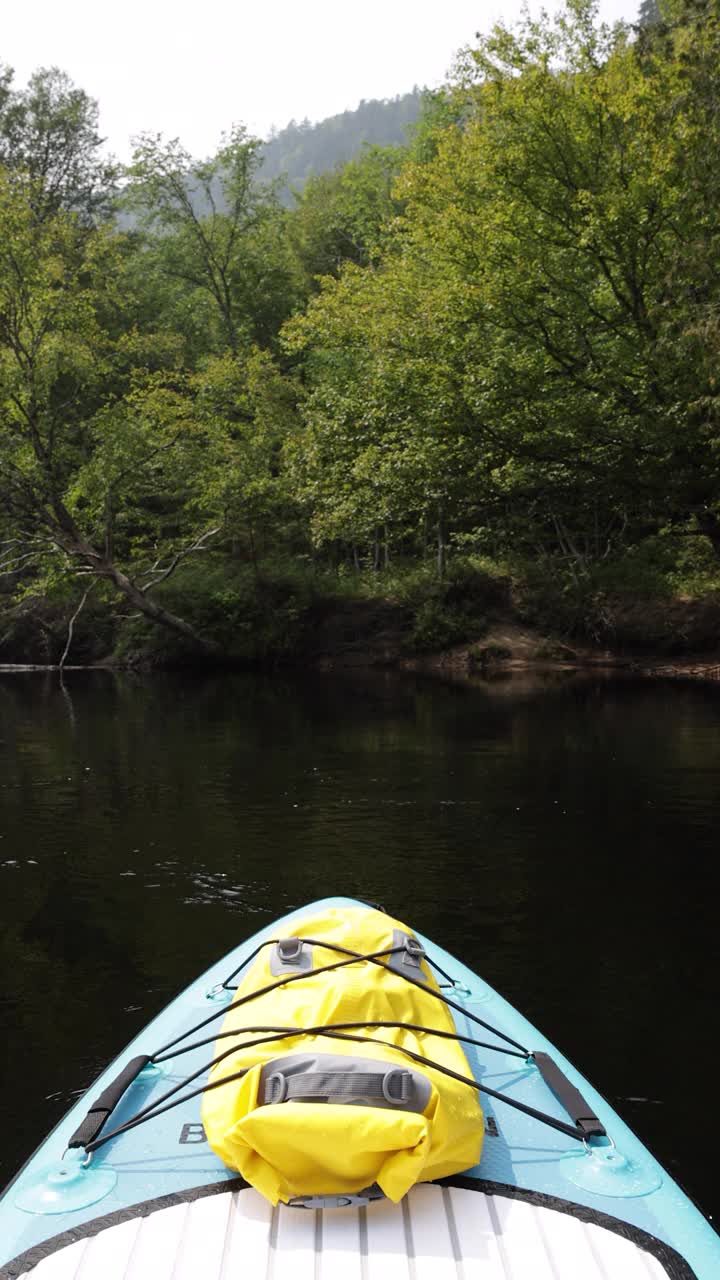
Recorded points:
(156, 1202)
(436, 1233)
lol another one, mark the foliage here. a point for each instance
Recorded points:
(347, 215)
(522, 360)
(218, 235)
(649, 13)
(253, 619)
(49, 134)
(499, 340)
(94, 465)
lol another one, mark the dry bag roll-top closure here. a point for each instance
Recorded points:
(322, 1117)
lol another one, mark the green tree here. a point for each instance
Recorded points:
(219, 236)
(99, 475)
(545, 317)
(384, 454)
(649, 13)
(248, 407)
(49, 133)
(563, 205)
(347, 216)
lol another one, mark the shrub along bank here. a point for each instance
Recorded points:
(290, 616)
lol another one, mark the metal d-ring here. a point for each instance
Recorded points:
(83, 1163)
(591, 1150)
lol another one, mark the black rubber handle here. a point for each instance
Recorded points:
(102, 1107)
(569, 1097)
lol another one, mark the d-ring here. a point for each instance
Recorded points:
(600, 1147)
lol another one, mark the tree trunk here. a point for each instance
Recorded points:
(64, 533)
(151, 609)
(71, 624)
(68, 536)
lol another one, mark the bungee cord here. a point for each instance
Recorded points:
(89, 1136)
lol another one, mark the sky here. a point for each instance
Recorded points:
(191, 70)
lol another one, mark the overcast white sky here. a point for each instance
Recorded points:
(190, 70)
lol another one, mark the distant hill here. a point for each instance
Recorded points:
(302, 150)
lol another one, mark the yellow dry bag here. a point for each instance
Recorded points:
(334, 1105)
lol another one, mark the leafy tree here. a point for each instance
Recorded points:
(545, 318)
(219, 235)
(347, 216)
(649, 13)
(98, 480)
(248, 408)
(6, 77)
(503, 336)
(49, 133)
(384, 446)
(560, 231)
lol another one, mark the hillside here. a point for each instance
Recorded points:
(304, 149)
(301, 151)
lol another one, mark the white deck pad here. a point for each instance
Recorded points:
(436, 1233)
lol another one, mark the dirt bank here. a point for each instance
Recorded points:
(480, 625)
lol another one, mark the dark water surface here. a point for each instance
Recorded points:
(562, 839)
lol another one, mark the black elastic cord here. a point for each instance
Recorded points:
(356, 956)
(560, 1125)
(271, 942)
(333, 1031)
(422, 986)
(141, 1117)
(342, 1026)
(434, 964)
(273, 986)
(374, 958)
(154, 1110)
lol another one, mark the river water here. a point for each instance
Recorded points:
(562, 838)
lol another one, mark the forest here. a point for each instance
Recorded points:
(303, 150)
(474, 371)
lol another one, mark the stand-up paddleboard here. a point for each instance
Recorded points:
(127, 1186)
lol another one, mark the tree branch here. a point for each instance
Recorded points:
(161, 575)
(72, 621)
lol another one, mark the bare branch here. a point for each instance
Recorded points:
(14, 552)
(13, 566)
(157, 575)
(72, 621)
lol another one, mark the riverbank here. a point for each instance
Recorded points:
(509, 648)
(478, 621)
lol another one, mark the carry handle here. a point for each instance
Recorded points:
(569, 1097)
(103, 1106)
